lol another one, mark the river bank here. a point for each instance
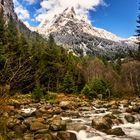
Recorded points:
(71, 117)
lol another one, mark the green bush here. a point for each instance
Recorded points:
(97, 87)
(51, 97)
(87, 91)
(68, 84)
(38, 93)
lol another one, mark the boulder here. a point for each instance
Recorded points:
(114, 106)
(42, 131)
(57, 124)
(102, 123)
(76, 127)
(136, 109)
(46, 136)
(130, 118)
(12, 122)
(20, 129)
(116, 131)
(34, 126)
(64, 135)
(65, 104)
(28, 136)
(69, 113)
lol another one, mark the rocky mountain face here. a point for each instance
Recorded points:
(78, 36)
(8, 9)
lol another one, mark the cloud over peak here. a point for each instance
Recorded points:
(45, 10)
(49, 8)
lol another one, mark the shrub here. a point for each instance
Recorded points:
(38, 93)
(97, 87)
(87, 91)
(68, 84)
(51, 97)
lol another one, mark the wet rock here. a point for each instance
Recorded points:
(99, 111)
(76, 127)
(115, 131)
(64, 135)
(65, 104)
(26, 115)
(70, 113)
(129, 110)
(28, 121)
(57, 110)
(42, 131)
(102, 123)
(114, 106)
(13, 122)
(42, 110)
(114, 119)
(118, 121)
(37, 113)
(116, 111)
(46, 136)
(85, 109)
(36, 126)
(130, 118)
(28, 136)
(125, 102)
(11, 134)
(57, 124)
(20, 129)
(136, 109)
(15, 103)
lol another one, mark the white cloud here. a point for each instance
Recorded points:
(30, 1)
(53, 7)
(22, 13)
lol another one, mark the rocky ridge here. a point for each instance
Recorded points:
(78, 36)
(8, 8)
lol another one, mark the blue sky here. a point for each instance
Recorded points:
(116, 16)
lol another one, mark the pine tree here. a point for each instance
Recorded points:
(2, 37)
(138, 38)
(69, 83)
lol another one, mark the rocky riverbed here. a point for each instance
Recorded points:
(72, 118)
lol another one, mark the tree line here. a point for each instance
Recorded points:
(30, 63)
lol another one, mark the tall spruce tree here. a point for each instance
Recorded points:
(138, 37)
(2, 38)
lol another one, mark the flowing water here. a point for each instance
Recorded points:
(132, 130)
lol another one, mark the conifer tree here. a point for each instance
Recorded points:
(69, 83)
(2, 31)
(138, 37)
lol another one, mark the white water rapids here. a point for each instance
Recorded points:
(131, 130)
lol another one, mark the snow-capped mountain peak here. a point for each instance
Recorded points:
(77, 34)
(69, 15)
